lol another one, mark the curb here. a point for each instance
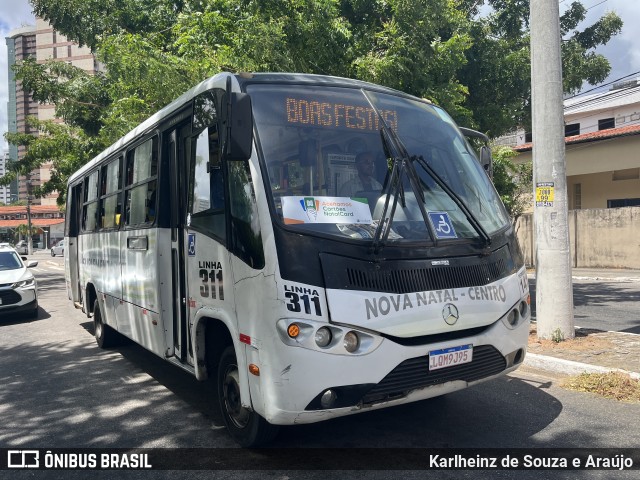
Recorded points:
(597, 278)
(609, 279)
(569, 367)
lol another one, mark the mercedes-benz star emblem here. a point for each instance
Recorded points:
(450, 313)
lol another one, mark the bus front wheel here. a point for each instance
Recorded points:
(105, 336)
(245, 426)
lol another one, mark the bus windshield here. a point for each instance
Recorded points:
(331, 169)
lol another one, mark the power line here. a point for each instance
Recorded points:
(607, 97)
(612, 96)
(593, 6)
(602, 85)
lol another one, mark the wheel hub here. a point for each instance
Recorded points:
(231, 395)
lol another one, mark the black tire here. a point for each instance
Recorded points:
(52, 254)
(106, 336)
(34, 312)
(246, 427)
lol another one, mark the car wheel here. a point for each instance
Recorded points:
(246, 427)
(34, 313)
(52, 253)
(105, 335)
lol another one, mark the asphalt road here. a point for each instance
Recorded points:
(59, 390)
(601, 305)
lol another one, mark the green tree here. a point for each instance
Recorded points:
(498, 71)
(513, 181)
(22, 230)
(153, 50)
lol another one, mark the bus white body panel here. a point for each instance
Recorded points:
(122, 268)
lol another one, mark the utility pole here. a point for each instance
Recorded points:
(554, 289)
(29, 232)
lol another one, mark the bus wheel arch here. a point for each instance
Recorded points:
(90, 297)
(106, 337)
(219, 355)
(212, 336)
(245, 426)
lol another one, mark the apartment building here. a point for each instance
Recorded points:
(43, 43)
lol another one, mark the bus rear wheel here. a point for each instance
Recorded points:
(246, 427)
(105, 336)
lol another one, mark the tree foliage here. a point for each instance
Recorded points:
(513, 181)
(498, 71)
(153, 50)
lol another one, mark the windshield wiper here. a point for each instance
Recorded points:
(401, 155)
(394, 152)
(456, 198)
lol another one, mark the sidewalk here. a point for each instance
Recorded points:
(592, 351)
(605, 274)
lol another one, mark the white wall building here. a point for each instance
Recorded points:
(602, 136)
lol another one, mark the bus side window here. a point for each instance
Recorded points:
(206, 185)
(90, 208)
(111, 184)
(141, 182)
(246, 237)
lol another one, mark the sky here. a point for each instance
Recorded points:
(623, 51)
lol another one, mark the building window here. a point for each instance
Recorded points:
(577, 196)
(627, 174)
(572, 130)
(623, 202)
(606, 123)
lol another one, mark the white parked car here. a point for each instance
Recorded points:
(18, 286)
(58, 249)
(22, 248)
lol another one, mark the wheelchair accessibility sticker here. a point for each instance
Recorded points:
(191, 245)
(442, 225)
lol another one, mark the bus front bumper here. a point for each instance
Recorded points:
(300, 385)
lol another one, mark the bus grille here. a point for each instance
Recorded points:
(406, 276)
(427, 279)
(414, 373)
(9, 297)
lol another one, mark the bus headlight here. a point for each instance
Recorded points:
(523, 308)
(351, 341)
(323, 337)
(328, 339)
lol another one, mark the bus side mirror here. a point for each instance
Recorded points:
(240, 127)
(486, 161)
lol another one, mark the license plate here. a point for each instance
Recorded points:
(448, 357)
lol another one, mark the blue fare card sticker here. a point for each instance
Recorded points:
(442, 225)
(191, 245)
